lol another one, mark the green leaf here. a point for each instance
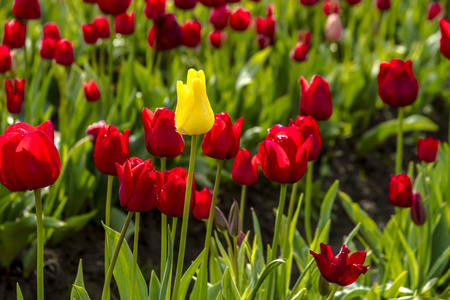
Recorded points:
(300, 295)
(187, 276)
(79, 293)
(214, 291)
(412, 262)
(79, 281)
(250, 69)
(394, 290)
(168, 271)
(19, 292)
(266, 272)
(13, 238)
(352, 234)
(229, 289)
(72, 225)
(440, 262)
(154, 287)
(327, 205)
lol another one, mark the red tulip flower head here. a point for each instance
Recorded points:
(353, 2)
(64, 53)
(316, 98)
(427, 149)
(222, 141)
(185, 4)
(29, 159)
(400, 190)
(309, 2)
(444, 45)
(15, 94)
(91, 91)
(308, 126)
(299, 52)
(171, 187)
(14, 34)
(245, 168)
(26, 9)
(154, 9)
(101, 25)
(51, 30)
(202, 206)
(217, 38)
(113, 7)
(330, 7)
(435, 10)
(333, 28)
(89, 33)
(49, 41)
(265, 28)
(417, 211)
(124, 23)
(166, 34)
(161, 136)
(213, 3)
(341, 269)
(5, 59)
(93, 130)
(240, 19)
(137, 179)
(397, 85)
(219, 17)
(382, 4)
(192, 33)
(111, 147)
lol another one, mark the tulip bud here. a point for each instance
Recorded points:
(435, 10)
(113, 7)
(234, 220)
(444, 45)
(101, 25)
(64, 53)
(427, 149)
(15, 95)
(324, 286)
(5, 59)
(316, 98)
(417, 211)
(240, 239)
(192, 33)
(219, 17)
(124, 23)
(382, 4)
(91, 91)
(333, 28)
(202, 206)
(217, 38)
(26, 9)
(89, 33)
(14, 34)
(185, 4)
(220, 220)
(240, 19)
(245, 168)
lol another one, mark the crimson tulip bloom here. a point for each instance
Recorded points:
(219, 17)
(444, 45)
(137, 179)
(51, 30)
(14, 34)
(111, 147)
(89, 33)
(113, 7)
(102, 27)
(427, 149)
(382, 4)
(166, 34)
(213, 3)
(308, 126)
(48, 48)
(29, 159)
(26, 9)
(417, 211)
(316, 98)
(400, 190)
(91, 91)
(240, 19)
(435, 10)
(299, 52)
(93, 130)
(330, 7)
(124, 23)
(192, 33)
(341, 270)
(5, 59)
(154, 9)
(202, 206)
(265, 28)
(222, 141)
(185, 4)
(171, 188)
(353, 2)
(397, 85)
(64, 53)
(161, 136)
(283, 155)
(217, 38)
(309, 2)
(15, 95)
(245, 168)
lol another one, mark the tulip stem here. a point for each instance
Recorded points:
(110, 67)
(398, 159)
(333, 291)
(242, 206)
(135, 253)
(107, 222)
(278, 222)
(27, 82)
(40, 245)
(115, 255)
(94, 59)
(429, 217)
(163, 229)
(308, 191)
(184, 226)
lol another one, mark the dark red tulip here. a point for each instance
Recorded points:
(444, 45)
(48, 48)
(102, 27)
(435, 10)
(93, 130)
(382, 4)
(397, 85)
(353, 2)
(265, 28)
(171, 187)
(185, 4)
(124, 23)
(299, 52)
(309, 2)
(113, 7)
(161, 136)
(240, 19)
(245, 168)
(202, 206)
(26, 9)
(137, 180)
(417, 211)
(217, 38)
(341, 270)
(219, 17)
(192, 33)
(283, 155)
(15, 95)
(89, 33)
(64, 53)
(29, 159)
(400, 190)
(213, 3)
(316, 98)
(154, 9)
(111, 147)
(5, 59)
(166, 34)
(427, 149)
(222, 141)
(330, 7)
(91, 91)
(51, 30)
(14, 34)
(308, 126)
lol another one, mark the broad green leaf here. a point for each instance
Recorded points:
(248, 72)
(229, 289)
(441, 261)
(266, 272)
(19, 292)
(394, 290)
(327, 205)
(187, 276)
(13, 238)
(412, 262)
(154, 287)
(79, 293)
(79, 281)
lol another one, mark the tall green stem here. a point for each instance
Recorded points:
(40, 245)
(278, 221)
(242, 206)
(135, 253)
(398, 159)
(107, 223)
(333, 291)
(184, 226)
(115, 255)
(292, 202)
(309, 176)
(163, 229)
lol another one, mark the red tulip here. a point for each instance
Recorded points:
(213, 3)
(5, 59)
(217, 38)
(26, 9)
(185, 4)
(219, 17)
(124, 23)
(341, 270)
(444, 45)
(202, 206)
(397, 85)
(154, 9)
(299, 52)
(14, 34)
(316, 98)
(192, 33)
(283, 155)
(309, 2)
(91, 91)
(417, 211)
(102, 27)
(166, 34)
(435, 10)
(400, 190)
(330, 7)
(382, 4)
(64, 53)
(111, 147)
(427, 149)
(89, 33)
(48, 48)
(51, 30)
(222, 141)
(29, 159)
(161, 136)
(171, 188)
(137, 179)
(240, 19)
(333, 28)
(113, 7)
(265, 28)
(353, 2)
(15, 95)
(93, 130)
(245, 168)
(308, 126)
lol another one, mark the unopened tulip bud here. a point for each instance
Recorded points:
(234, 220)
(418, 213)
(240, 239)
(220, 220)
(324, 286)
(333, 28)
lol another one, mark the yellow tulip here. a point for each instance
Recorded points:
(193, 115)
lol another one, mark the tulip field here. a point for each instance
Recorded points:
(224, 149)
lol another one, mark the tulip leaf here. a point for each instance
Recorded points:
(187, 276)
(79, 281)
(250, 69)
(229, 289)
(13, 238)
(412, 262)
(266, 272)
(354, 291)
(300, 295)
(394, 289)
(79, 293)
(259, 258)
(214, 291)
(327, 205)
(378, 134)
(72, 225)
(154, 287)
(166, 279)
(19, 292)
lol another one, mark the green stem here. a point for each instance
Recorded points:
(308, 191)
(292, 202)
(115, 255)
(14, 118)
(429, 217)
(398, 159)
(27, 81)
(40, 245)
(135, 253)
(163, 229)
(174, 229)
(107, 223)
(184, 226)
(94, 59)
(236, 261)
(242, 206)
(333, 291)
(278, 222)
(230, 246)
